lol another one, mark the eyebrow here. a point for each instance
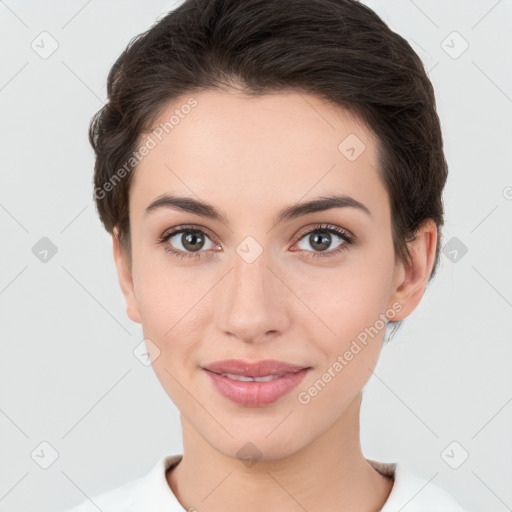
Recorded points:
(294, 211)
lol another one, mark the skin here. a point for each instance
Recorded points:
(250, 157)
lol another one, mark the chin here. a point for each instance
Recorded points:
(254, 444)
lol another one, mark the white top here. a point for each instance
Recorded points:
(151, 493)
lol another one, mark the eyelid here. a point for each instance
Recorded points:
(328, 227)
(187, 227)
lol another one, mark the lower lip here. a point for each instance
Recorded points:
(256, 394)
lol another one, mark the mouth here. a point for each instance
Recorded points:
(244, 378)
(256, 369)
(254, 384)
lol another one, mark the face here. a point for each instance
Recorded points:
(312, 288)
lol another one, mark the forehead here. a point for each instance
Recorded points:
(271, 149)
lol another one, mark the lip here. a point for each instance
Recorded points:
(255, 394)
(253, 369)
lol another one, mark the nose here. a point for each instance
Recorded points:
(254, 301)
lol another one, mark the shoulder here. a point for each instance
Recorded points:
(412, 493)
(149, 492)
(115, 500)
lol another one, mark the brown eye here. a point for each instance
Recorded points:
(320, 241)
(321, 238)
(186, 242)
(192, 241)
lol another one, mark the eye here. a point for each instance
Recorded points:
(189, 241)
(320, 238)
(185, 242)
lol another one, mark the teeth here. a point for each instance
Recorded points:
(243, 378)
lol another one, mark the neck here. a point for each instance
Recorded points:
(329, 474)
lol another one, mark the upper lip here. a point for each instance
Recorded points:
(253, 369)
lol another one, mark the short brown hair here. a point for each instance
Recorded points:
(339, 50)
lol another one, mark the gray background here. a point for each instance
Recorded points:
(68, 376)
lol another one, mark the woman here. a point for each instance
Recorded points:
(271, 174)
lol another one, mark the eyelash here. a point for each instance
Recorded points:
(320, 228)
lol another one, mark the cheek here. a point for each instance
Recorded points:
(353, 310)
(351, 304)
(168, 306)
(163, 292)
(171, 311)
(351, 296)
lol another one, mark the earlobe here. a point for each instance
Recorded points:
(412, 277)
(125, 277)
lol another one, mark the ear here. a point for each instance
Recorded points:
(124, 275)
(411, 279)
